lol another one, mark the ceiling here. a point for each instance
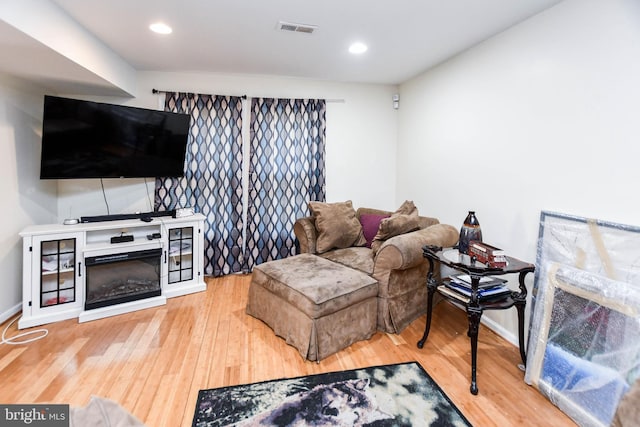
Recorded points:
(405, 37)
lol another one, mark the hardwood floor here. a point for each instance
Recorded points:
(154, 361)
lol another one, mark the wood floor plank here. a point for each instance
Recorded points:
(153, 362)
(10, 357)
(89, 375)
(56, 363)
(203, 365)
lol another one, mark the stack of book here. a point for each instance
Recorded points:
(489, 288)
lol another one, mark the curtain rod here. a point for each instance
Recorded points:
(156, 91)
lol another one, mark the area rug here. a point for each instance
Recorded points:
(391, 395)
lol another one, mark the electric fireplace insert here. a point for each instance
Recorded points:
(123, 277)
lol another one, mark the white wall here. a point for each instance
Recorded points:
(544, 116)
(25, 199)
(360, 144)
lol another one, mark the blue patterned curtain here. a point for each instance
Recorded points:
(286, 171)
(212, 184)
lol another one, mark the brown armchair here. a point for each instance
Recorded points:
(398, 266)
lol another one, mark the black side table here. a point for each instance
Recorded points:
(474, 305)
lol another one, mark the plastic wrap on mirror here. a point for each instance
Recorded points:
(584, 338)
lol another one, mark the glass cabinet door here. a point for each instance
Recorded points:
(57, 272)
(180, 254)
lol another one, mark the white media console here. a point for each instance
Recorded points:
(147, 262)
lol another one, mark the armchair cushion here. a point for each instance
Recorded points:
(337, 225)
(358, 258)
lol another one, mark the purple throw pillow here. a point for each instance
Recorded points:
(370, 224)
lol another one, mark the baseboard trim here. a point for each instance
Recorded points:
(495, 327)
(500, 330)
(8, 314)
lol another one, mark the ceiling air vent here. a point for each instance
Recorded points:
(296, 28)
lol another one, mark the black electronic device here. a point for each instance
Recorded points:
(120, 217)
(122, 239)
(83, 139)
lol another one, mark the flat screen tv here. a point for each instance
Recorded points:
(83, 139)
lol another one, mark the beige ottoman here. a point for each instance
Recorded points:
(318, 306)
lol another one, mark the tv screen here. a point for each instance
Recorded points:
(83, 139)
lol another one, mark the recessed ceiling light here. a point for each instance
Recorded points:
(358, 48)
(160, 28)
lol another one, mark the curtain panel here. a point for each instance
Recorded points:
(286, 171)
(213, 176)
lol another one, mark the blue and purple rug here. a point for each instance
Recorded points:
(391, 395)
